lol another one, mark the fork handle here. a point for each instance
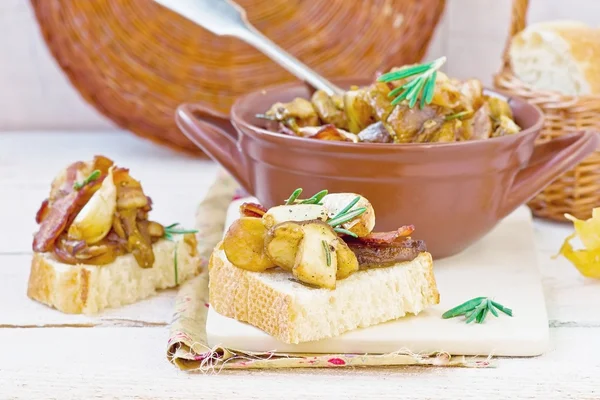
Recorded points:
(259, 41)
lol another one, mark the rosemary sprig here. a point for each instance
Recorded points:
(421, 86)
(170, 231)
(477, 310)
(91, 177)
(327, 252)
(345, 232)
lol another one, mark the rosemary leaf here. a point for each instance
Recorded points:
(483, 314)
(340, 219)
(463, 308)
(500, 307)
(348, 207)
(327, 252)
(491, 307)
(170, 230)
(345, 232)
(91, 177)
(316, 198)
(293, 196)
(418, 89)
(472, 316)
(431, 91)
(404, 73)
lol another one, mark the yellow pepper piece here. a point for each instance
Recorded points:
(587, 261)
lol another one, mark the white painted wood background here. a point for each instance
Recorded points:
(121, 354)
(34, 94)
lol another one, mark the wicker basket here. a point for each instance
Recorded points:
(577, 191)
(136, 61)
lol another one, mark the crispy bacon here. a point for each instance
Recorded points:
(61, 213)
(385, 254)
(388, 237)
(252, 210)
(42, 213)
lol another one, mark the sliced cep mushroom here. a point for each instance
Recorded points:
(363, 224)
(244, 245)
(294, 212)
(316, 260)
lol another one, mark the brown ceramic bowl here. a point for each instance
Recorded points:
(454, 193)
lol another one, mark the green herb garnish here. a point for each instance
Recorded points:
(316, 198)
(421, 86)
(170, 231)
(343, 217)
(458, 115)
(91, 177)
(345, 232)
(327, 252)
(293, 197)
(477, 310)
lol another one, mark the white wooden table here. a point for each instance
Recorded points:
(121, 354)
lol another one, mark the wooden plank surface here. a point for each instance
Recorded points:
(84, 363)
(121, 353)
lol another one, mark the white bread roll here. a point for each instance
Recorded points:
(562, 56)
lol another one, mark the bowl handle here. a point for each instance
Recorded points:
(548, 161)
(213, 133)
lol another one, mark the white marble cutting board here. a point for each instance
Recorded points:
(502, 265)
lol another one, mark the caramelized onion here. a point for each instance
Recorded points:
(129, 191)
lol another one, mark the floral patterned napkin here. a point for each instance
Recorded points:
(187, 346)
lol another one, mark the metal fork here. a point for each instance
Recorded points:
(226, 18)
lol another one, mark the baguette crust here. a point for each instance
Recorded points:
(293, 313)
(88, 289)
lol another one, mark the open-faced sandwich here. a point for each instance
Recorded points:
(97, 248)
(312, 269)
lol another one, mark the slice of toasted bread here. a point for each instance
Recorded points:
(88, 289)
(294, 313)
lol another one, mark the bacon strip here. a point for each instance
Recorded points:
(388, 237)
(252, 210)
(62, 211)
(42, 213)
